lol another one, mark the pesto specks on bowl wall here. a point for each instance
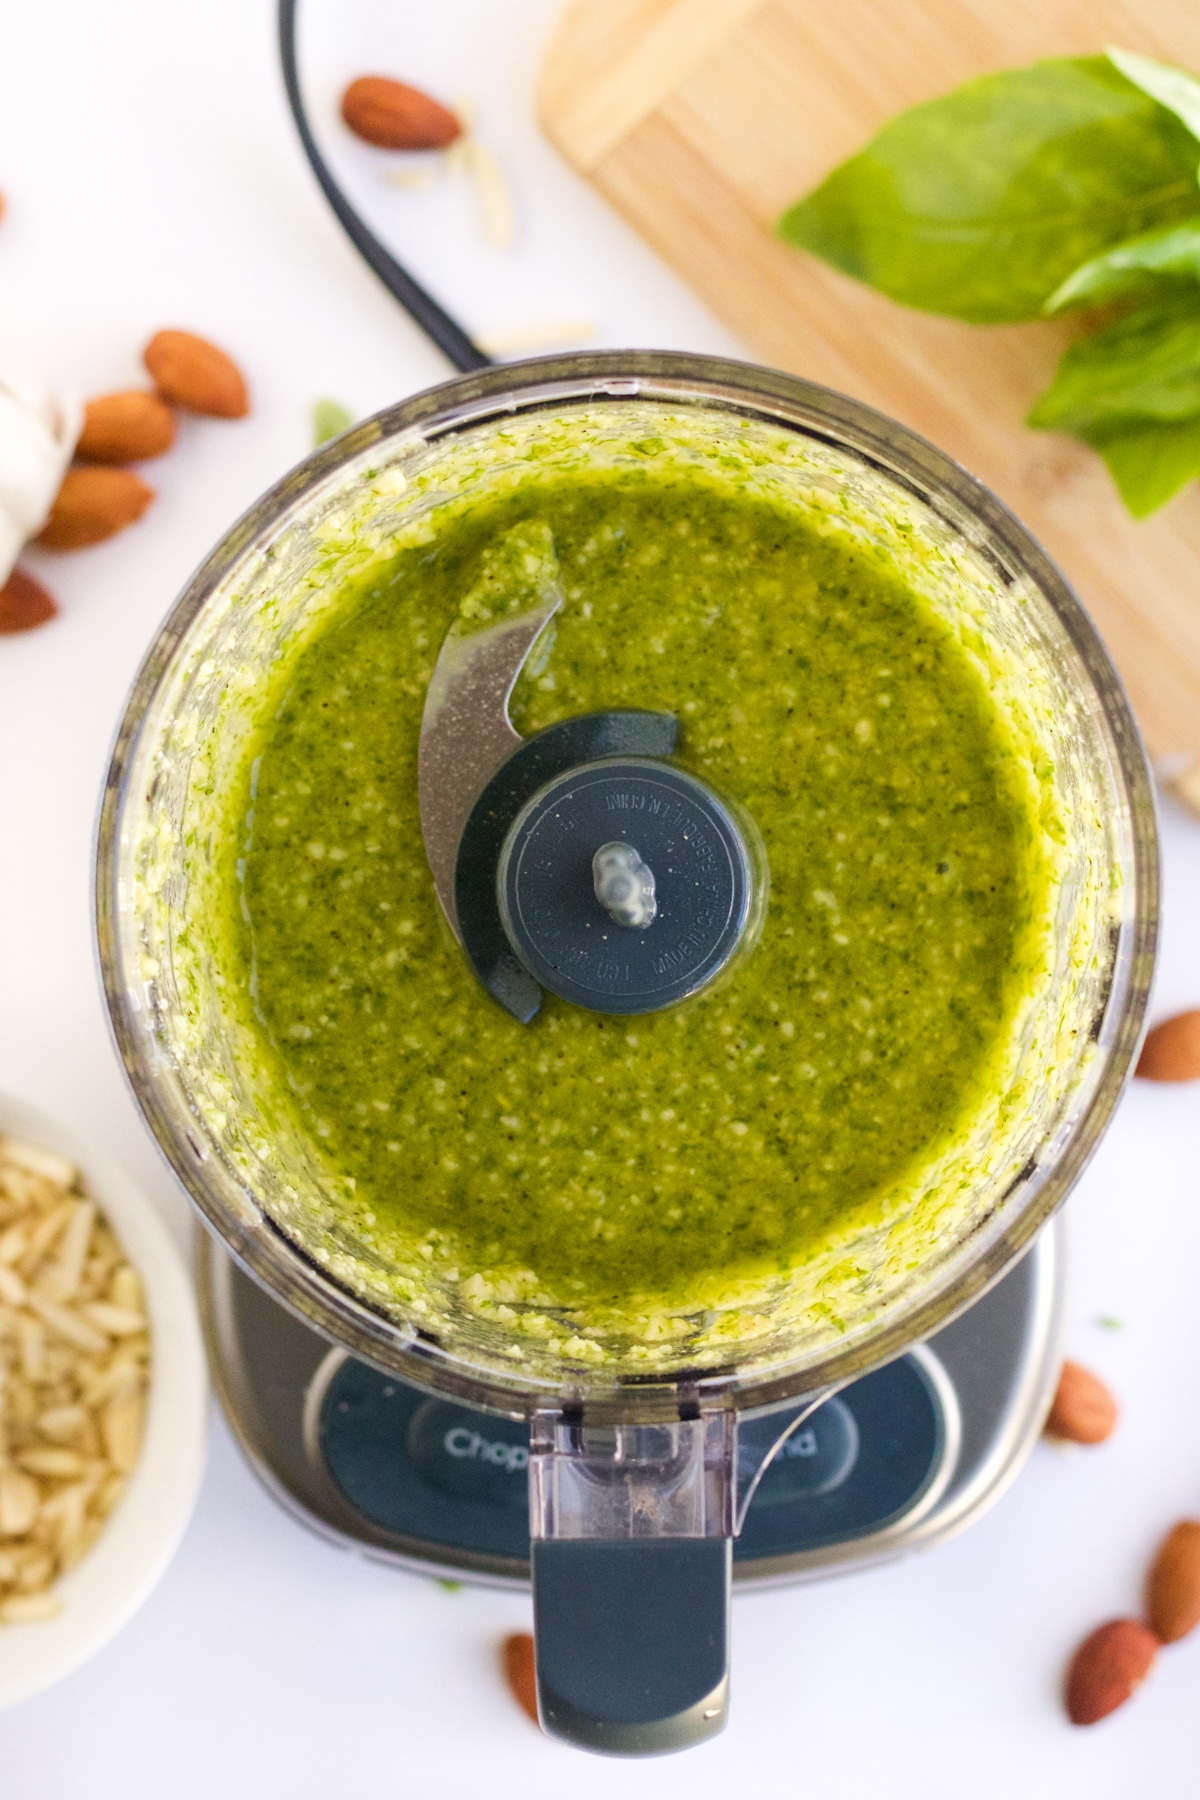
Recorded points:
(770, 1162)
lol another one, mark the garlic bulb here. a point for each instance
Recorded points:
(38, 432)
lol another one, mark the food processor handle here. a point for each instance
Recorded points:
(632, 1641)
(631, 1528)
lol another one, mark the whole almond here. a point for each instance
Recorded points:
(1083, 1411)
(1107, 1668)
(1172, 1050)
(24, 603)
(126, 427)
(93, 504)
(194, 374)
(518, 1660)
(397, 117)
(1173, 1590)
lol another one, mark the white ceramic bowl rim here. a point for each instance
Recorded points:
(103, 1592)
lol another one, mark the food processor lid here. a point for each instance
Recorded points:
(521, 835)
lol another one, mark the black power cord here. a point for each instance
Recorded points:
(434, 321)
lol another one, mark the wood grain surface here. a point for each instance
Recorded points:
(701, 120)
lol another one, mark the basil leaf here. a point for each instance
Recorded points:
(1151, 462)
(1173, 251)
(982, 203)
(1173, 88)
(1145, 366)
(329, 419)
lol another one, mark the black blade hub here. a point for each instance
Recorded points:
(592, 866)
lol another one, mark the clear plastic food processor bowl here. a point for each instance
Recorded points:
(633, 1454)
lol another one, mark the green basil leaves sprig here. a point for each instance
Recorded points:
(1132, 390)
(1073, 183)
(1135, 265)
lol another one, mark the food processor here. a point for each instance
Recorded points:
(631, 1489)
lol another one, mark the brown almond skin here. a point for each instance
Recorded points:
(24, 604)
(1173, 1589)
(1107, 1668)
(194, 374)
(1172, 1050)
(126, 427)
(1083, 1411)
(394, 116)
(517, 1657)
(92, 504)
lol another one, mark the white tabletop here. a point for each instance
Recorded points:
(153, 179)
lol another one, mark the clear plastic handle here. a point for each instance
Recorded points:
(632, 1552)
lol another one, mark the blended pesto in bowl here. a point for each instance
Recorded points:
(582, 1160)
(850, 1121)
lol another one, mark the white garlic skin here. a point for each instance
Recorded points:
(38, 432)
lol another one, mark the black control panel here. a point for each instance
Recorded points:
(443, 1473)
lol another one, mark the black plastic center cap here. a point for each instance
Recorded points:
(546, 885)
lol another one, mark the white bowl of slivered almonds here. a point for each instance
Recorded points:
(103, 1401)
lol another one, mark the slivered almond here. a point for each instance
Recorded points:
(29, 1609)
(19, 1501)
(42, 1237)
(126, 1289)
(67, 1324)
(74, 1545)
(121, 1429)
(60, 1278)
(112, 1384)
(62, 1423)
(117, 1321)
(67, 1508)
(13, 1243)
(36, 1160)
(35, 1573)
(71, 1539)
(51, 1463)
(495, 199)
(108, 1493)
(21, 1403)
(31, 1336)
(12, 1288)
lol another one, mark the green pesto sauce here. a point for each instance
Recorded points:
(732, 1133)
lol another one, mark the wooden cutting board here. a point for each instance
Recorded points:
(701, 120)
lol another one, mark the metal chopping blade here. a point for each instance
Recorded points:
(466, 732)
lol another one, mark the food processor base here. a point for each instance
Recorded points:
(903, 1457)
